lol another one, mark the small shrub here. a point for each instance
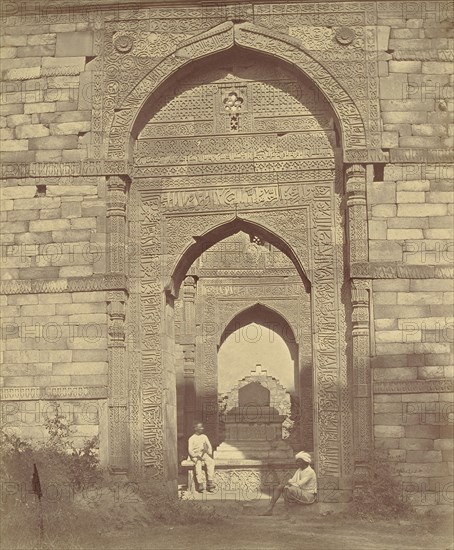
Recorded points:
(380, 494)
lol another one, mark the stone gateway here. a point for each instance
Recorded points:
(178, 175)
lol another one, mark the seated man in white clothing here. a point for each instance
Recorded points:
(200, 452)
(301, 488)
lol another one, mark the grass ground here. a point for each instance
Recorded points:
(242, 527)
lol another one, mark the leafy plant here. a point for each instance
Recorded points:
(380, 493)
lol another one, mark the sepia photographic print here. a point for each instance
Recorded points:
(227, 260)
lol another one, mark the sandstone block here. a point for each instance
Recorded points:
(410, 196)
(49, 225)
(385, 324)
(83, 223)
(377, 229)
(416, 444)
(54, 356)
(84, 297)
(420, 141)
(388, 419)
(386, 443)
(22, 215)
(391, 285)
(438, 359)
(8, 40)
(430, 373)
(429, 130)
(75, 235)
(53, 142)
(16, 120)
(408, 223)
(440, 197)
(31, 131)
(437, 67)
(65, 128)
(71, 209)
(36, 203)
(432, 347)
(401, 129)
(447, 234)
(22, 73)
(385, 297)
(82, 355)
(388, 431)
(444, 444)
(420, 431)
(80, 308)
(18, 192)
(8, 52)
(87, 343)
(41, 39)
(14, 145)
(392, 86)
(404, 117)
(381, 192)
(425, 210)
(39, 108)
(404, 234)
(41, 51)
(388, 407)
(404, 66)
(76, 271)
(405, 33)
(385, 250)
(51, 214)
(50, 155)
(413, 185)
(389, 139)
(434, 285)
(387, 398)
(395, 373)
(77, 190)
(39, 273)
(70, 44)
(65, 117)
(424, 456)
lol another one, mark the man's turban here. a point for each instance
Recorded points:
(304, 456)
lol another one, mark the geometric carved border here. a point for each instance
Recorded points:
(112, 281)
(60, 392)
(414, 386)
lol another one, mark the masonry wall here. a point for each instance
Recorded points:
(411, 226)
(54, 335)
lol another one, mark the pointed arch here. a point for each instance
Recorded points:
(255, 313)
(211, 237)
(223, 37)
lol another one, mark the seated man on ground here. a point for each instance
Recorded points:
(200, 452)
(301, 488)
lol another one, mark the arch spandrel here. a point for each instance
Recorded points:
(252, 37)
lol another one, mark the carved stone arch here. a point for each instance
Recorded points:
(127, 116)
(259, 305)
(197, 244)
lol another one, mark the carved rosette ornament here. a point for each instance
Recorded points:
(123, 43)
(345, 35)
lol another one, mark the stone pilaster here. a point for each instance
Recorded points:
(358, 253)
(188, 342)
(116, 307)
